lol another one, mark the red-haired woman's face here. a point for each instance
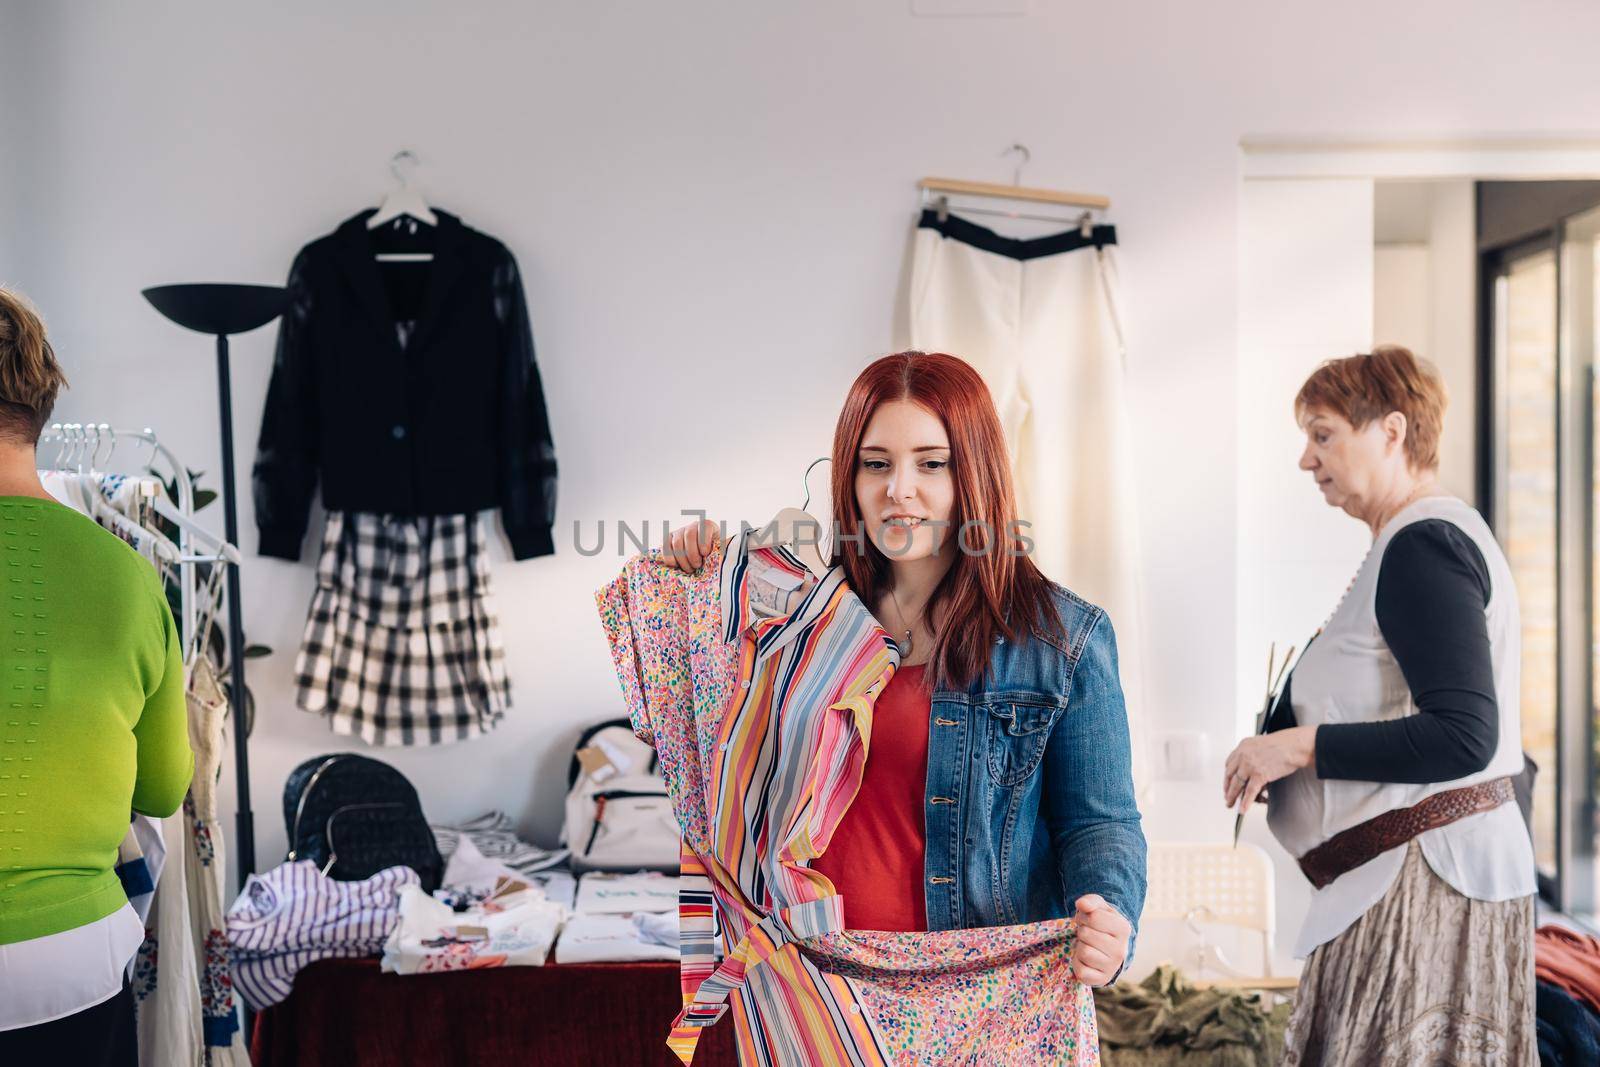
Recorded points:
(903, 482)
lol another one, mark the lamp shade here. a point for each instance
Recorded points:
(217, 308)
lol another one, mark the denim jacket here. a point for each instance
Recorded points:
(1030, 789)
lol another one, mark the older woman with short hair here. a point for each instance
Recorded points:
(1392, 749)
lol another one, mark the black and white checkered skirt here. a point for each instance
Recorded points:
(402, 646)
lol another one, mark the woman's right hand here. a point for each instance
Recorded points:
(689, 545)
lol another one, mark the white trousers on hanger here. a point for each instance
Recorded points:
(1038, 320)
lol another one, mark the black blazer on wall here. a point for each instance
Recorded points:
(452, 422)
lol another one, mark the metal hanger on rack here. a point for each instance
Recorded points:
(78, 454)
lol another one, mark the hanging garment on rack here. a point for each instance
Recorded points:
(402, 645)
(140, 860)
(63, 485)
(182, 985)
(763, 727)
(166, 977)
(119, 503)
(406, 389)
(203, 869)
(1038, 319)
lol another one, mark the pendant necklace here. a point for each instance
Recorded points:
(903, 649)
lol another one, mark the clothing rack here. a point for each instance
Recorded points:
(79, 448)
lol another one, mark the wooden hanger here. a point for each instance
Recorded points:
(939, 191)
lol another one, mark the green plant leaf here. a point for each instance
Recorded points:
(256, 651)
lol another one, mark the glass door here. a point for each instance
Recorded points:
(1527, 505)
(1579, 297)
(1544, 487)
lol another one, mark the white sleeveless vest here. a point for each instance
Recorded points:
(1348, 674)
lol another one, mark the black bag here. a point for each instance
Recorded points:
(353, 816)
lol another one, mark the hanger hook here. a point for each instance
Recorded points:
(405, 155)
(1027, 157)
(111, 445)
(820, 459)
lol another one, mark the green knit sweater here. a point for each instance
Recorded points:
(93, 718)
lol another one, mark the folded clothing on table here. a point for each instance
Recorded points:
(495, 836)
(607, 893)
(659, 929)
(511, 929)
(610, 938)
(293, 914)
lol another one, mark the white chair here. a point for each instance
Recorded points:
(1220, 884)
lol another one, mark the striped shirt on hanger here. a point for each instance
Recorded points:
(763, 726)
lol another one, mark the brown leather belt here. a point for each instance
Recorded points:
(1349, 849)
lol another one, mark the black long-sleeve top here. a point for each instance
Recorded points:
(1433, 588)
(406, 389)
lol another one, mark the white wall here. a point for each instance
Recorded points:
(1452, 303)
(21, 137)
(1305, 294)
(704, 190)
(1424, 270)
(1400, 306)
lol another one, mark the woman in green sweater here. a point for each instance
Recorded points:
(93, 725)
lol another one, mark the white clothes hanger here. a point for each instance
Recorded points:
(404, 202)
(88, 489)
(169, 511)
(139, 536)
(799, 531)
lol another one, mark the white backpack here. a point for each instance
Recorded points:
(619, 816)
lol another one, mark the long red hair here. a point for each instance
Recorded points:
(981, 588)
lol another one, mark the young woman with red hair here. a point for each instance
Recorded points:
(999, 787)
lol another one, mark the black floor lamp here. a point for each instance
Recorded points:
(222, 310)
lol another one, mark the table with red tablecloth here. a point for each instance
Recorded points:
(346, 1013)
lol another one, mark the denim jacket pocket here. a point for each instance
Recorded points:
(1017, 735)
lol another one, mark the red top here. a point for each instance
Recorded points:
(875, 857)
